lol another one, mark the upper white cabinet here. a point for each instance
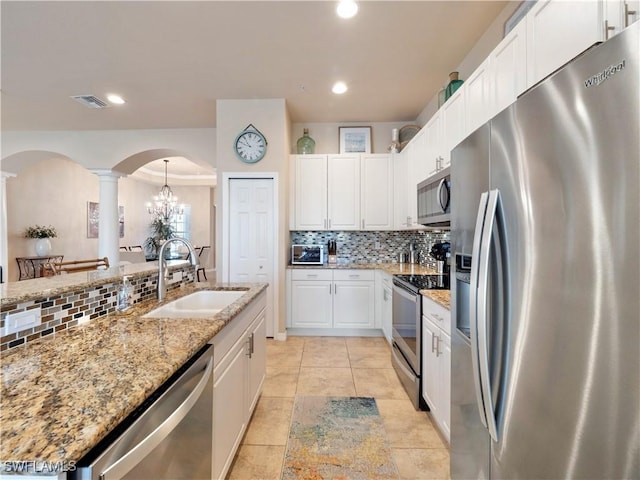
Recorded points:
(310, 188)
(342, 192)
(434, 145)
(508, 66)
(557, 31)
(401, 219)
(376, 207)
(478, 105)
(617, 15)
(454, 122)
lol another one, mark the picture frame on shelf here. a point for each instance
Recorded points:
(354, 139)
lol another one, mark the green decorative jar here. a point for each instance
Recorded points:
(454, 84)
(306, 144)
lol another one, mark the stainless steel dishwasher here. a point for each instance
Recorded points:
(168, 437)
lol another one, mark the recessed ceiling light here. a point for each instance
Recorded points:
(115, 99)
(347, 8)
(339, 88)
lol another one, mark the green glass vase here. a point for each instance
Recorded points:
(454, 84)
(306, 144)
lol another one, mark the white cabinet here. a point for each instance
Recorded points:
(508, 65)
(343, 180)
(434, 145)
(376, 207)
(311, 298)
(239, 372)
(557, 31)
(329, 192)
(478, 107)
(436, 363)
(331, 299)
(353, 299)
(409, 170)
(310, 199)
(401, 218)
(454, 127)
(385, 295)
(617, 15)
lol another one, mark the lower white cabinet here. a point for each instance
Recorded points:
(436, 367)
(239, 357)
(385, 294)
(325, 299)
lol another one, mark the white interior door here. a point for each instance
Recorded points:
(251, 235)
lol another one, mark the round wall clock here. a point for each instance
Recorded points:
(250, 145)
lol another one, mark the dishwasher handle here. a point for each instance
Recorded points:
(124, 464)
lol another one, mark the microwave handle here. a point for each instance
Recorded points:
(443, 184)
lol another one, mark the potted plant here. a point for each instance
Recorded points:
(161, 230)
(42, 236)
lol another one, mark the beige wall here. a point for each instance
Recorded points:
(56, 191)
(480, 51)
(326, 134)
(271, 118)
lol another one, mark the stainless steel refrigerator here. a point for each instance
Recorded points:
(545, 238)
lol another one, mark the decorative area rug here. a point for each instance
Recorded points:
(337, 438)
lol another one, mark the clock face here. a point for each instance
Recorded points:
(250, 146)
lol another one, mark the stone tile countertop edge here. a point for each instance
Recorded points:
(390, 268)
(62, 394)
(441, 297)
(25, 290)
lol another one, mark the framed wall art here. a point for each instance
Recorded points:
(355, 139)
(93, 220)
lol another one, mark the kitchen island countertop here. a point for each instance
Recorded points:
(60, 395)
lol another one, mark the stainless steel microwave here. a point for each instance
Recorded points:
(434, 200)
(307, 254)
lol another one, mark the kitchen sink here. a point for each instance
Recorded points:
(204, 303)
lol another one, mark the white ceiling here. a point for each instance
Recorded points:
(171, 60)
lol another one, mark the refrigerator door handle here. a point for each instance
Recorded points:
(473, 303)
(493, 205)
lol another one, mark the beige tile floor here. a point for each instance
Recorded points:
(336, 366)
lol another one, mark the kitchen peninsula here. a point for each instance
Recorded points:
(62, 393)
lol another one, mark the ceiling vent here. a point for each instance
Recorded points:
(90, 101)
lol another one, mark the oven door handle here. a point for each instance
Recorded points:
(129, 460)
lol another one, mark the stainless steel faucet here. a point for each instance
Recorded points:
(163, 270)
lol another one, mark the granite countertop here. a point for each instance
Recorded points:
(390, 268)
(62, 394)
(17, 292)
(441, 297)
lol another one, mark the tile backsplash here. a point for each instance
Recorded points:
(373, 247)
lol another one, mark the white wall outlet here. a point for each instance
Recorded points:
(176, 277)
(377, 245)
(15, 322)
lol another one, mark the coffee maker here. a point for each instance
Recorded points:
(440, 253)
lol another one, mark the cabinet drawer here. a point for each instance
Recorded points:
(311, 274)
(439, 315)
(341, 275)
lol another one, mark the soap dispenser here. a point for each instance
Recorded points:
(124, 295)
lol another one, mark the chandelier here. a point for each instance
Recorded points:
(165, 203)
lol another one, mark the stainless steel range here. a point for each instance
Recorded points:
(406, 332)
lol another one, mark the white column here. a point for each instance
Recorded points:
(108, 224)
(4, 240)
